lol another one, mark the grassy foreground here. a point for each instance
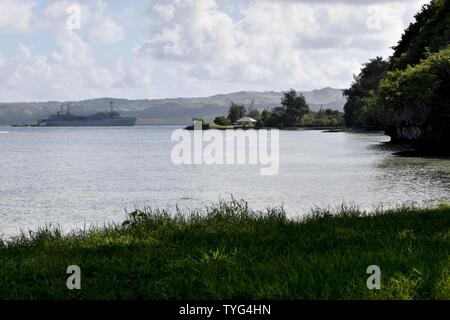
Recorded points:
(227, 251)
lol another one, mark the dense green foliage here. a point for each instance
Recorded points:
(424, 88)
(222, 121)
(360, 109)
(254, 114)
(236, 112)
(293, 108)
(408, 96)
(273, 118)
(323, 119)
(228, 251)
(430, 33)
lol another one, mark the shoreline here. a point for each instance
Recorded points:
(216, 127)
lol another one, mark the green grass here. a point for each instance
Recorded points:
(227, 251)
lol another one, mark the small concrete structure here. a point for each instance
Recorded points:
(246, 122)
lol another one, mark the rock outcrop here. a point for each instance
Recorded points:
(414, 124)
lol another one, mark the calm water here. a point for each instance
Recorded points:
(83, 176)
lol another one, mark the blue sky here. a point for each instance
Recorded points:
(173, 48)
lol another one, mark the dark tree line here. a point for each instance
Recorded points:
(360, 109)
(411, 89)
(289, 114)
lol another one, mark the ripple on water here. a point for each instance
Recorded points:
(83, 176)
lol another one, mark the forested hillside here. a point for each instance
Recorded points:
(408, 95)
(168, 111)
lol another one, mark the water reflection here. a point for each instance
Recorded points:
(418, 179)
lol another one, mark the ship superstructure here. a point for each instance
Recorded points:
(100, 119)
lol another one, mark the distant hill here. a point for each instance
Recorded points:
(167, 111)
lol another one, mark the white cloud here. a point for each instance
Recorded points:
(71, 70)
(95, 21)
(137, 72)
(290, 43)
(194, 47)
(70, 73)
(107, 32)
(103, 29)
(15, 15)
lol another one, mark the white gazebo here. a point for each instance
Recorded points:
(246, 122)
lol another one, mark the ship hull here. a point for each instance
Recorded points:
(113, 122)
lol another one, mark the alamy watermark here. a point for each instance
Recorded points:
(227, 147)
(374, 281)
(73, 22)
(374, 17)
(74, 280)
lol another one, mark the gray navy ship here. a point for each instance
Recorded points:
(101, 119)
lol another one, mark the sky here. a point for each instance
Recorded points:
(75, 50)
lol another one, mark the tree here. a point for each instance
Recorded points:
(408, 95)
(265, 115)
(236, 112)
(276, 118)
(295, 107)
(362, 92)
(419, 97)
(254, 113)
(323, 118)
(222, 121)
(429, 33)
